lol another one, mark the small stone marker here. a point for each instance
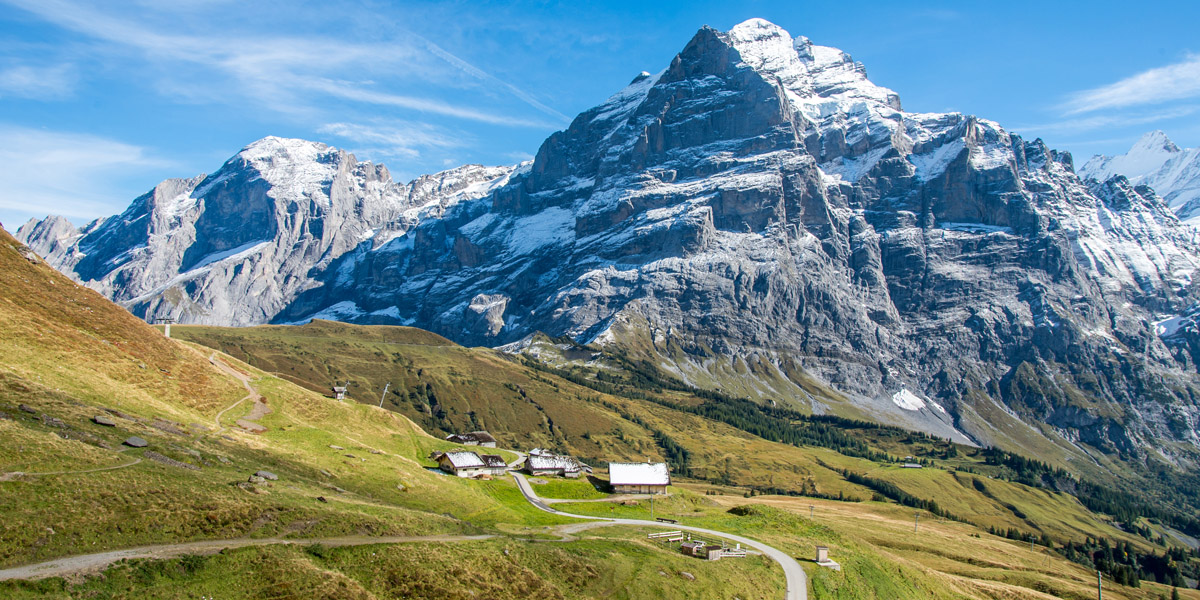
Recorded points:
(103, 420)
(50, 421)
(267, 475)
(166, 460)
(136, 442)
(321, 499)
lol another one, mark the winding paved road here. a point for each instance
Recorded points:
(797, 581)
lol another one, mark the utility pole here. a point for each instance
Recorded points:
(1099, 585)
(652, 506)
(385, 389)
(916, 520)
(810, 512)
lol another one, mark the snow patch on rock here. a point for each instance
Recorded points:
(908, 400)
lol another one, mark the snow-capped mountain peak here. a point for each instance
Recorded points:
(809, 72)
(1155, 161)
(1147, 155)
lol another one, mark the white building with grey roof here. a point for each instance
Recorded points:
(639, 478)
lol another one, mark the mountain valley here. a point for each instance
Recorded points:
(937, 348)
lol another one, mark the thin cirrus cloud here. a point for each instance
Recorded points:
(281, 73)
(37, 82)
(69, 174)
(401, 139)
(1154, 86)
(358, 93)
(1090, 123)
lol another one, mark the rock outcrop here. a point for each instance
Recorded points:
(237, 246)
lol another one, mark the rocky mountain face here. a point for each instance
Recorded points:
(236, 247)
(1155, 161)
(757, 217)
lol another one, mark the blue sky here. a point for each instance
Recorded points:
(101, 100)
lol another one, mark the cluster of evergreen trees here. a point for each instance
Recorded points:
(1125, 564)
(1121, 505)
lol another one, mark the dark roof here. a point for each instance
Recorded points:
(493, 460)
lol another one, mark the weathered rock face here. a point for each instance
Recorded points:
(760, 217)
(237, 246)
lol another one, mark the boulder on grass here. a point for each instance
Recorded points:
(267, 475)
(103, 420)
(136, 442)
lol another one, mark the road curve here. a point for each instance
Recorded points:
(797, 581)
(94, 563)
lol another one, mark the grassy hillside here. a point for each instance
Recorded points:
(69, 486)
(449, 388)
(442, 387)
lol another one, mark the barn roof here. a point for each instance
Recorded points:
(494, 460)
(639, 474)
(552, 462)
(464, 460)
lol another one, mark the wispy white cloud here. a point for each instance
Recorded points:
(350, 91)
(396, 138)
(69, 174)
(37, 83)
(477, 73)
(1092, 123)
(1176, 81)
(282, 72)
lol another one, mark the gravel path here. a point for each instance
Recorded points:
(19, 474)
(94, 563)
(257, 411)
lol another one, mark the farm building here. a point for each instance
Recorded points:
(339, 392)
(462, 463)
(639, 478)
(553, 464)
(475, 438)
(494, 463)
